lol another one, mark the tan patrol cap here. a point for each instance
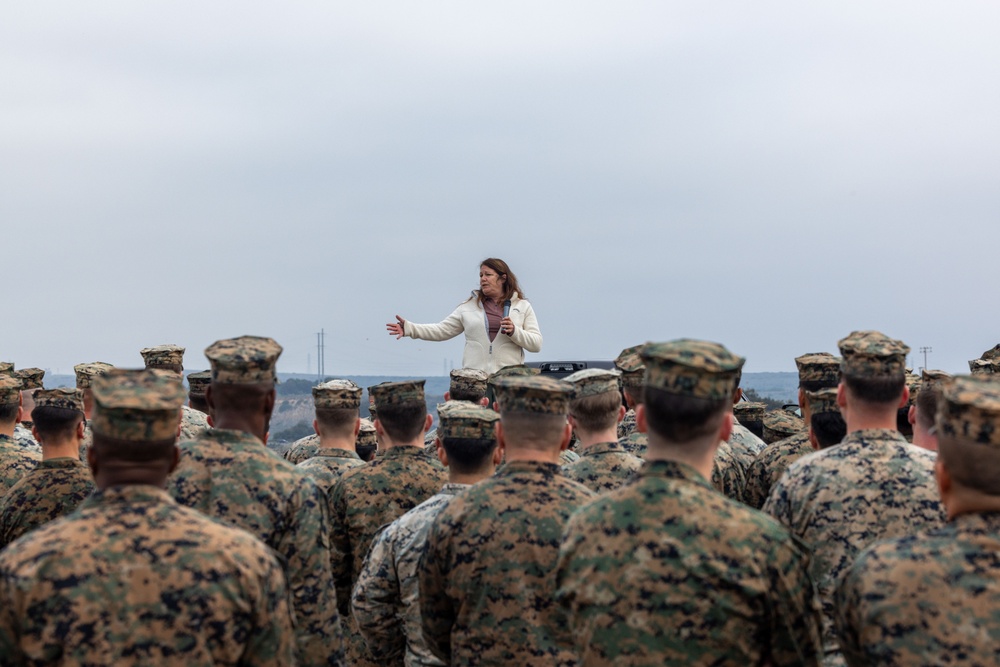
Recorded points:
(63, 397)
(31, 378)
(366, 434)
(85, 373)
(969, 411)
(468, 381)
(780, 424)
(695, 368)
(818, 367)
(6, 368)
(198, 383)
(536, 395)
(822, 401)
(467, 421)
(388, 394)
(630, 364)
(594, 382)
(137, 406)
(749, 411)
(872, 354)
(244, 360)
(162, 356)
(517, 370)
(10, 389)
(337, 394)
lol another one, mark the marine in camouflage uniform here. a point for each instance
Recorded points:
(15, 460)
(816, 371)
(932, 598)
(85, 374)
(465, 385)
(630, 365)
(594, 413)
(339, 427)
(486, 575)
(368, 497)
(665, 570)
(60, 482)
(871, 487)
(230, 475)
(31, 380)
(171, 358)
(386, 600)
(302, 449)
(132, 578)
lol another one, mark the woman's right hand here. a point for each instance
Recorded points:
(396, 328)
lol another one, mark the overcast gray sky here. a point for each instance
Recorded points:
(770, 175)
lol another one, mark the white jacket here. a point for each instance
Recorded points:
(470, 318)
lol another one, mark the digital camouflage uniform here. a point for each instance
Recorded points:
(53, 489)
(15, 461)
(328, 465)
(302, 449)
(771, 464)
(232, 476)
(386, 599)
(193, 422)
(871, 487)
(88, 440)
(567, 457)
(132, 578)
(23, 436)
(728, 473)
(635, 443)
(603, 466)
(626, 426)
(665, 571)
(486, 579)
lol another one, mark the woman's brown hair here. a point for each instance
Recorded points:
(509, 285)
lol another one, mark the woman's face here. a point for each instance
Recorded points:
(490, 282)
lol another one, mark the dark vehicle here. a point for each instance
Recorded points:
(561, 369)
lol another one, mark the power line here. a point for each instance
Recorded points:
(925, 351)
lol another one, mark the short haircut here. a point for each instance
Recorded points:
(366, 452)
(829, 428)
(8, 412)
(903, 420)
(462, 393)
(926, 402)
(55, 423)
(972, 465)
(337, 421)
(469, 455)
(682, 419)
(529, 430)
(241, 399)
(598, 412)
(403, 423)
(635, 393)
(130, 451)
(881, 391)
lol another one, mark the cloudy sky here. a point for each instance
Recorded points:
(770, 175)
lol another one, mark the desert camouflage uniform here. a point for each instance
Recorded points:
(328, 464)
(930, 598)
(231, 476)
(364, 500)
(603, 466)
(14, 463)
(132, 578)
(665, 571)
(728, 473)
(626, 426)
(386, 600)
(24, 438)
(635, 443)
(487, 575)
(53, 489)
(193, 422)
(302, 449)
(871, 487)
(771, 464)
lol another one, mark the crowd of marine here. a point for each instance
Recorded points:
(645, 515)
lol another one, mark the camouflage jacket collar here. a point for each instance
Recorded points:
(133, 494)
(61, 463)
(976, 523)
(511, 468)
(7, 441)
(452, 489)
(672, 470)
(874, 435)
(602, 448)
(336, 453)
(405, 450)
(232, 439)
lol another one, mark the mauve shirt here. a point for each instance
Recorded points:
(494, 313)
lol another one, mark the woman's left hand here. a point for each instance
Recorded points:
(506, 326)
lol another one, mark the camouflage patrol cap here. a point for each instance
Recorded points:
(85, 373)
(31, 378)
(969, 411)
(992, 353)
(780, 424)
(594, 382)
(468, 381)
(408, 392)
(467, 421)
(198, 383)
(822, 401)
(517, 370)
(749, 411)
(630, 364)
(930, 378)
(984, 366)
(137, 405)
(10, 389)
(63, 397)
(818, 367)
(6, 368)
(913, 384)
(163, 355)
(537, 395)
(872, 354)
(694, 368)
(337, 394)
(244, 360)
(366, 433)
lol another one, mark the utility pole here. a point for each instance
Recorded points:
(925, 350)
(320, 349)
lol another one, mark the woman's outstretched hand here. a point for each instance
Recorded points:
(396, 328)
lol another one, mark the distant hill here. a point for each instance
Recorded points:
(779, 386)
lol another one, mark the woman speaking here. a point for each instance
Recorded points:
(498, 323)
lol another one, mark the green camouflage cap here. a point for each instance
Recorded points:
(984, 366)
(537, 395)
(992, 354)
(749, 411)
(408, 392)
(6, 368)
(630, 364)
(163, 355)
(10, 389)
(933, 378)
(517, 370)
(594, 382)
(138, 406)
(872, 354)
(913, 384)
(969, 411)
(337, 394)
(366, 434)
(467, 421)
(85, 373)
(818, 367)
(63, 397)
(198, 383)
(822, 401)
(468, 381)
(779, 424)
(31, 378)
(244, 360)
(695, 368)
